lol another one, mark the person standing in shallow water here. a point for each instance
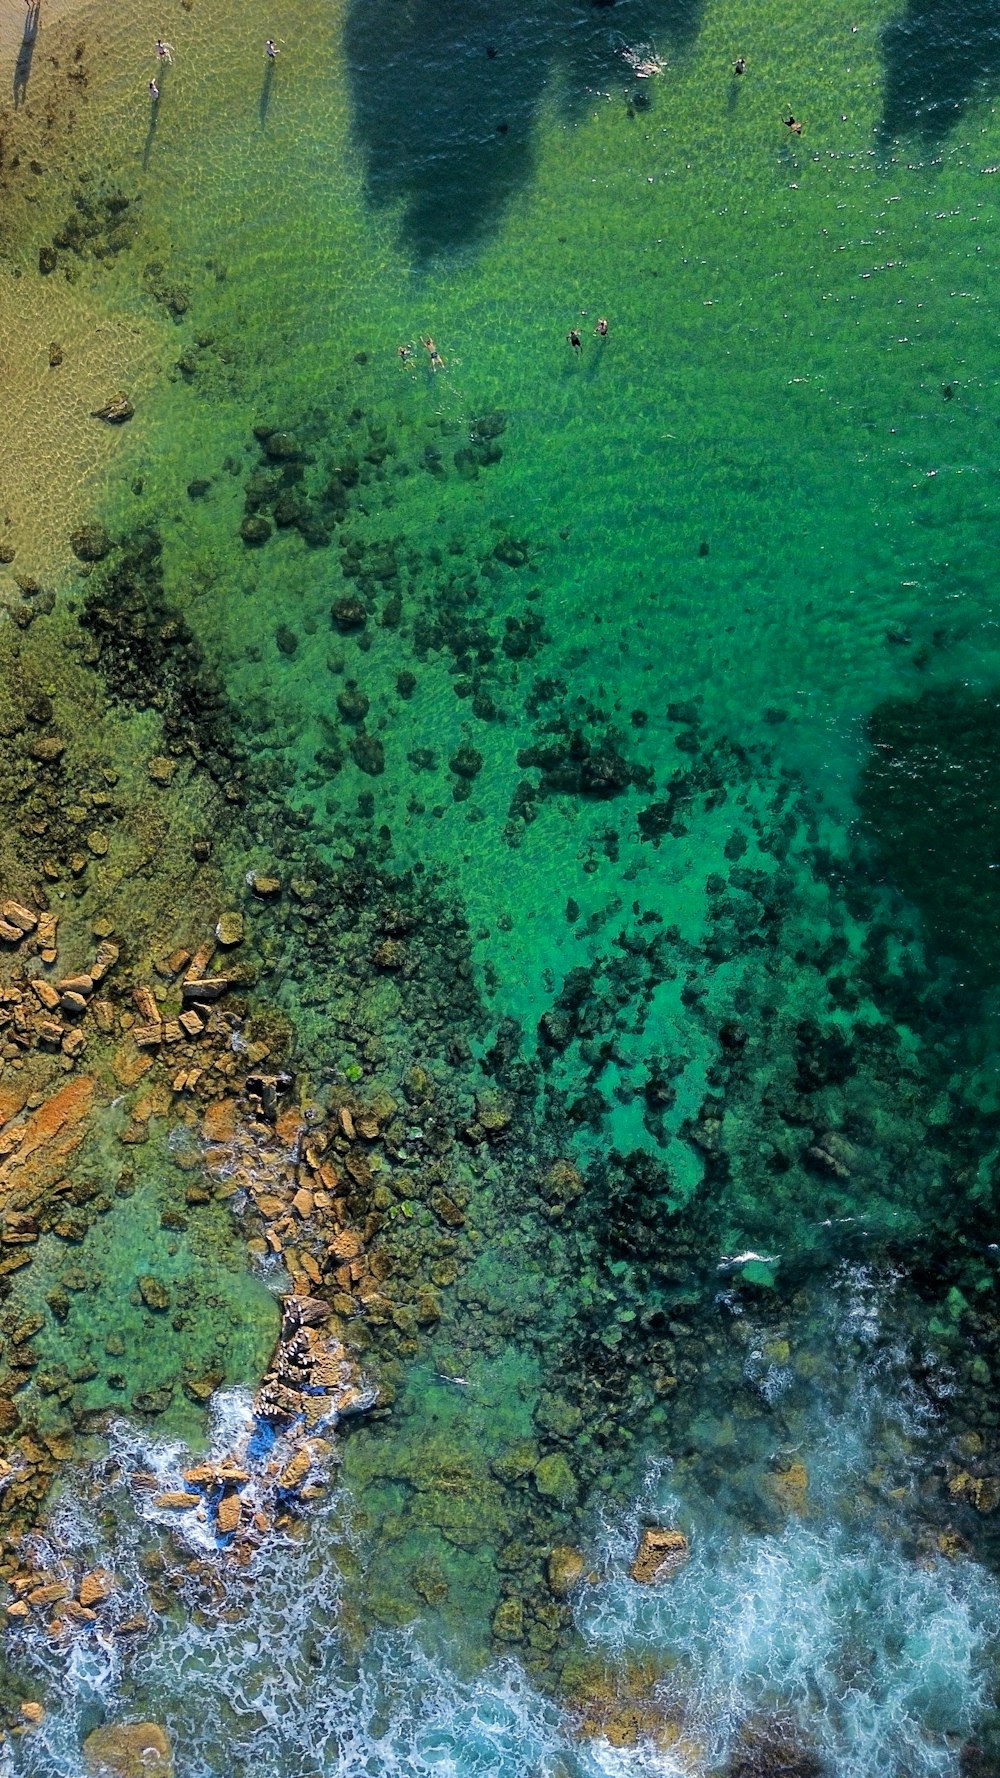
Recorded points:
(154, 91)
(601, 329)
(575, 340)
(270, 49)
(740, 66)
(164, 51)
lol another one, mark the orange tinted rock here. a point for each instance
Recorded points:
(290, 1125)
(48, 1137)
(130, 1064)
(18, 916)
(229, 1513)
(12, 1102)
(269, 1206)
(219, 1121)
(346, 1245)
(296, 1469)
(96, 1586)
(661, 1552)
(50, 1594)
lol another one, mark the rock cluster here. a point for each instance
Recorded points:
(47, 1011)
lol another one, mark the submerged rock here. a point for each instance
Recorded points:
(255, 530)
(789, 1486)
(555, 1479)
(128, 1750)
(508, 1621)
(348, 614)
(154, 1294)
(368, 754)
(115, 412)
(90, 543)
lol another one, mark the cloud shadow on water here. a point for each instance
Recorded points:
(446, 95)
(940, 56)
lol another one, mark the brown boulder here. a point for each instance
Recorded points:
(661, 1552)
(230, 1509)
(96, 1586)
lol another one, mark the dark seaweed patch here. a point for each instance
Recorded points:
(930, 798)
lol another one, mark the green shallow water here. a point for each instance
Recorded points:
(745, 544)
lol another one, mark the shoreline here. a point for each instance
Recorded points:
(69, 342)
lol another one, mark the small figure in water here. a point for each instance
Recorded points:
(602, 328)
(164, 51)
(154, 91)
(793, 124)
(740, 66)
(437, 362)
(575, 340)
(405, 353)
(270, 49)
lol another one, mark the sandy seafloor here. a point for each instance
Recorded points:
(620, 729)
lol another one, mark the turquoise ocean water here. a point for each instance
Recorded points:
(663, 673)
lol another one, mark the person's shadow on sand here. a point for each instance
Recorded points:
(22, 68)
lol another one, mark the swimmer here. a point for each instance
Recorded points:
(270, 49)
(164, 51)
(154, 91)
(405, 353)
(602, 328)
(740, 66)
(793, 124)
(437, 362)
(575, 340)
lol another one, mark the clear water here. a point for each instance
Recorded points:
(743, 544)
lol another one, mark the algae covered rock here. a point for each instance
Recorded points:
(230, 930)
(508, 1621)
(564, 1569)
(90, 543)
(255, 530)
(788, 1486)
(128, 1750)
(555, 1479)
(562, 1184)
(348, 614)
(154, 1294)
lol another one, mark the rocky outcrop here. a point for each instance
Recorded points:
(662, 1550)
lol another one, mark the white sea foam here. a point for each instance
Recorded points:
(879, 1659)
